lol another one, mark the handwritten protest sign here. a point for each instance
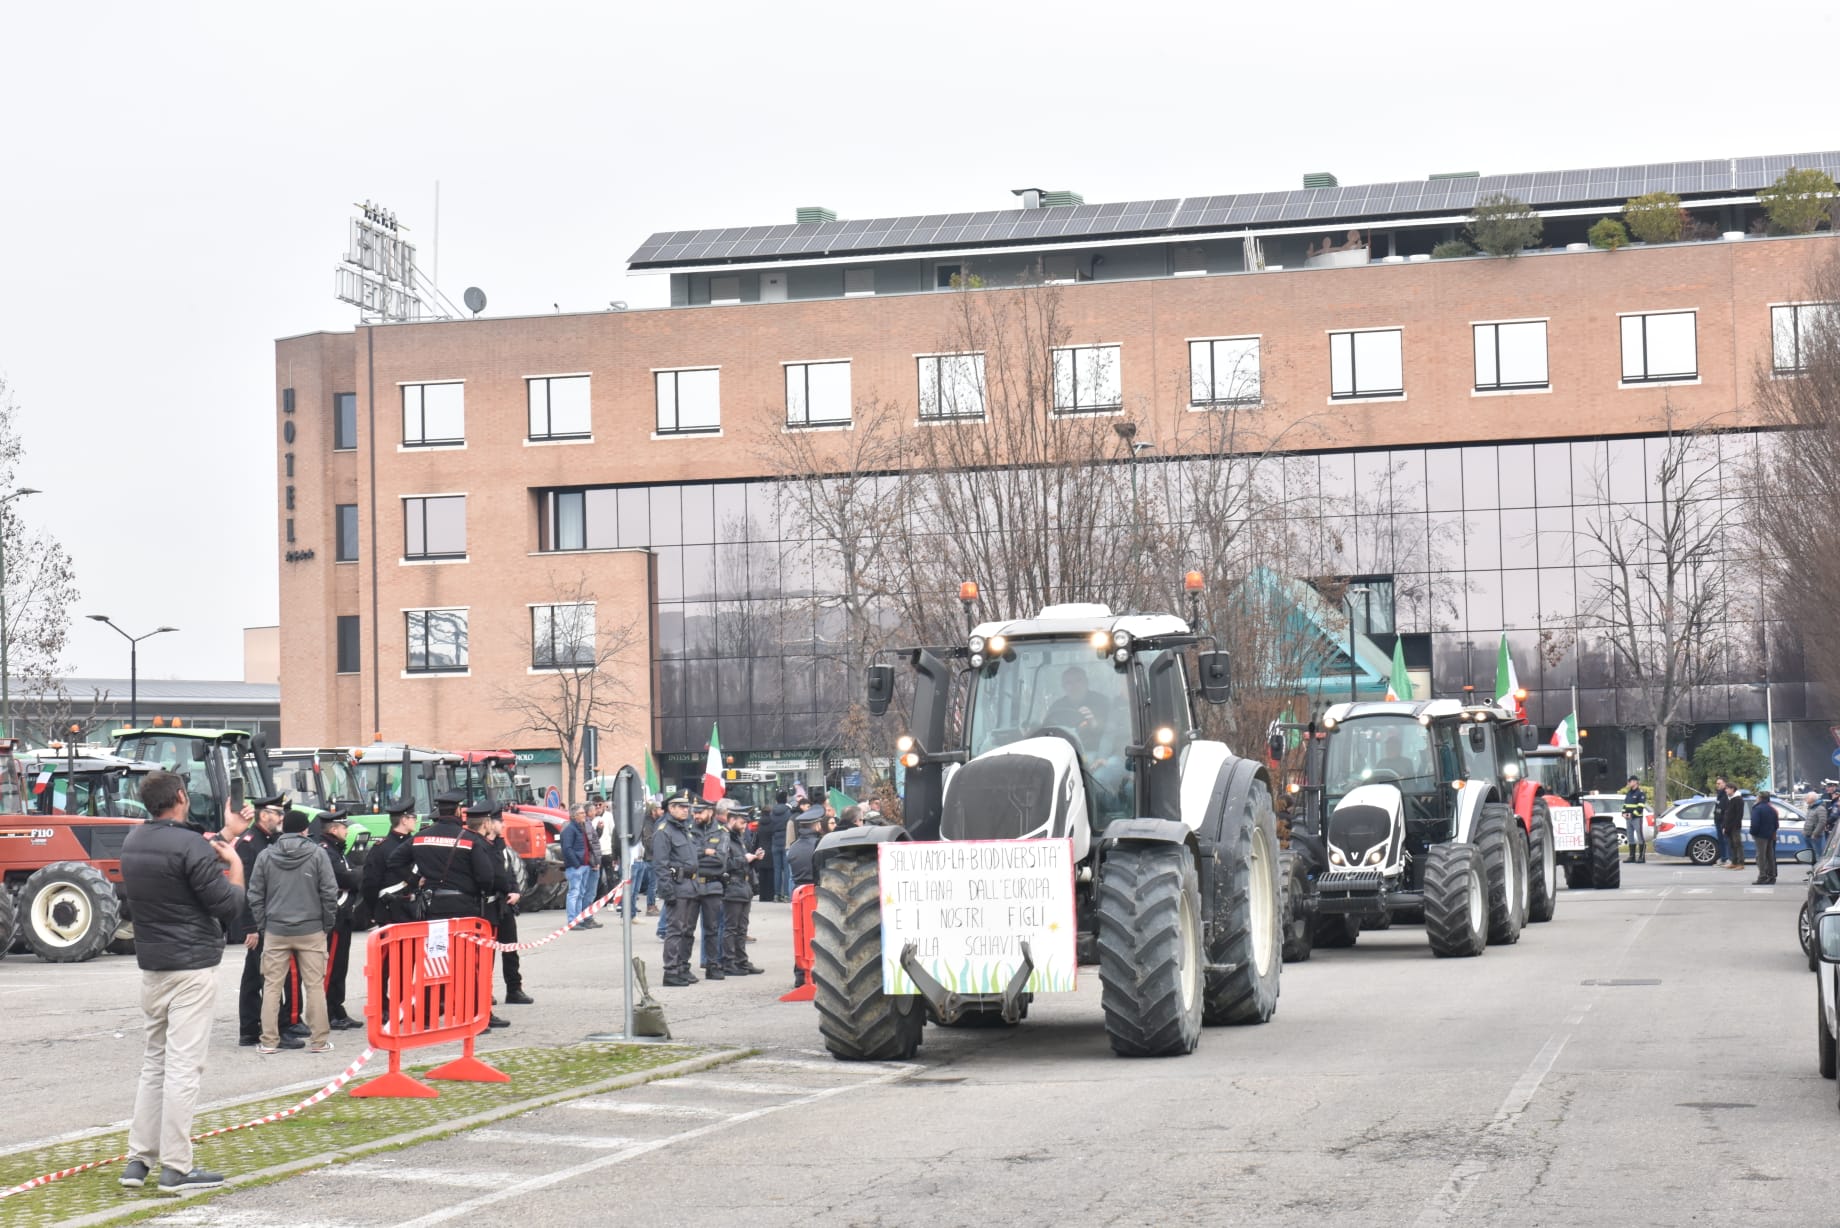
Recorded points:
(1568, 828)
(969, 905)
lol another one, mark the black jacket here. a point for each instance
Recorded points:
(377, 873)
(1765, 819)
(448, 859)
(674, 859)
(180, 899)
(252, 845)
(739, 886)
(1730, 811)
(799, 858)
(773, 827)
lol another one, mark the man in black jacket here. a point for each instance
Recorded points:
(261, 834)
(184, 889)
(737, 895)
(389, 895)
(455, 865)
(674, 860)
(505, 909)
(332, 831)
(773, 839)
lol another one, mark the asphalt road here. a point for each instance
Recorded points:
(1645, 1058)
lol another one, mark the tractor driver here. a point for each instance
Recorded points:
(1393, 760)
(1101, 741)
(1076, 708)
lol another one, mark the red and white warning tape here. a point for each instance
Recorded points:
(330, 1088)
(612, 897)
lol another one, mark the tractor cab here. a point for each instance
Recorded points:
(324, 779)
(84, 782)
(388, 772)
(218, 766)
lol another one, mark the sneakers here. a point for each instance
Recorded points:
(286, 1042)
(518, 997)
(172, 1181)
(589, 924)
(712, 974)
(324, 1046)
(651, 910)
(496, 1022)
(133, 1175)
(345, 1023)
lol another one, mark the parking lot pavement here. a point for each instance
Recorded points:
(1644, 1059)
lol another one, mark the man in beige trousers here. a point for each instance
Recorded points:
(295, 902)
(184, 889)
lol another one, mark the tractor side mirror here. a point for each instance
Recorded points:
(880, 689)
(201, 751)
(1216, 670)
(303, 781)
(1275, 744)
(1530, 737)
(1829, 931)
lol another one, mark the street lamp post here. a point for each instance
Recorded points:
(134, 664)
(1348, 597)
(6, 675)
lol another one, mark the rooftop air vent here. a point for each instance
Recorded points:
(1321, 179)
(816, 213)
(1044, 198)
(1456, 174)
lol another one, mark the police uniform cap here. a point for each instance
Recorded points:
(677, 799)
(484, 811)
(450, 797)
(278, 802)
(701, 806)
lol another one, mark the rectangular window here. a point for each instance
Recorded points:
(349, 649)
(1224, 371)
(579, 519)
(1366, 364)
(948, 276)
(817, 393)
(559, 407)
(436, 641)
(434, 528)
(1060, 268)
(1794, 330)
(562, 636)
(1510, 355)
(858, 282)
(1086, 379)
(689, 402)
(952, 386)
(724, 289)
(346, 549)
(344, 421)
(433, 414)
(1659, 347)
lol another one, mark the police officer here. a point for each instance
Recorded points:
(510, 882)
(711, 878)
(262, 833)
(332, 829)
(1635, 801)
(454, 865)
(391, 895)
(800, 856)
(737, 892)
(674, 860)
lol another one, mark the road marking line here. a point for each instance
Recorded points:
(736, 1085)
(636, 1109)
(538, 1138)
(831, 1064)
(431, 1176)
(1699, 891)
(1444, 1205)
(1760, 891)
(634, 1152)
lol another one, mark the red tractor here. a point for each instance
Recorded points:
(1584, 841)
(534, 831)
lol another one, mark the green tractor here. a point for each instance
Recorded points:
(219, 766)
(323, 779)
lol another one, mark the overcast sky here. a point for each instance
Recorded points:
(177, 180)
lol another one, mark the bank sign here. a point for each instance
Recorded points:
(969, 905)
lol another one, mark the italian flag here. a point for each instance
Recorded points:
(1400, 685)
(652, 788)
(1567, 732)
(1505, 681)
(712, 770)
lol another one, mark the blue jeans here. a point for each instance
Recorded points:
(582, 881)
(705, 958)
(782, 874)
(643, 880)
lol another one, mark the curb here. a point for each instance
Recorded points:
(263, 1176)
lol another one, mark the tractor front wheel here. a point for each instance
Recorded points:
(1456, 900)
(1241, 984)
(1297, 939)
(8, 920)
(1543, 876)
(1504, 862)
(1606, 856)
(858, 1021)
(69, 912)
(1337, 930)
(1150, 954)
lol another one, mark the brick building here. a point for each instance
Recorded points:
(447, 488)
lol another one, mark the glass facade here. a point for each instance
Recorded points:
(1474, 541)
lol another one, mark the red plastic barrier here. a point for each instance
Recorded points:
(432, 997)
(804, 908)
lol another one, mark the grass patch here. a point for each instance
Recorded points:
(340, 1122)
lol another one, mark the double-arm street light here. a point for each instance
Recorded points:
(6, 677)
(134, 666)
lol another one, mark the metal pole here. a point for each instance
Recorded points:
(1348, 600)
(134, 684)
(624, 788)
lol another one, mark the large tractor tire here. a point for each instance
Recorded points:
(1337, 930)
(69, 912)
(1150, 956)
(859, 1022)
(1543, 868)
(1382, 922)
(1504, 860)
(1606, 857)
(1249, 932)
(1456, 900)
(1578, 872)
(8, 920)
(1298, 942)
(1823, 1040)
(123, 941)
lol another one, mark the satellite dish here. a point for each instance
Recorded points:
(475, 299)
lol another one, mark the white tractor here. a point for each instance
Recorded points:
(1074, 726)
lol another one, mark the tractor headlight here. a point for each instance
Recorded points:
(1101, 641)
(1122, 656)
(904, 743)
(1166, 736)
(977, 660)
(997, 645)
(1376, 856)
(1161, 753)
(1121, 639)
(1328, 722)
(910, 760)
(1336, 858)
(976, 644)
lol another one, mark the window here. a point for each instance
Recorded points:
(1794, 330)
(434, 528)
(344, 421)
(817, 393)
(561, 636)
(346, 549)
(724, 289)
(1510, 355)
(1188, 260)
(348, 644)
(1659, 347)
(689, 402)
(433, 414)
(1366, 364)
(559, 407)
(1060, 268)
(1086, 379)
(948, 276)
(1224, 371)
(436, 641)
(857, 282)
(952, 386)
(579, 519)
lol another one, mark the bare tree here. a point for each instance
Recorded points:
(41, 584)
(580, 668)
(1660, 602)
(51, 714)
